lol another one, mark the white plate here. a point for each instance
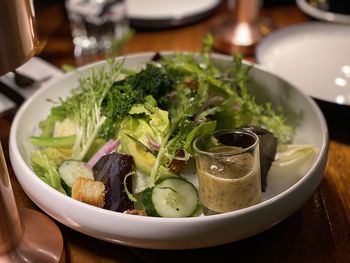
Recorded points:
(286, 191)
(318, 13)
(314, 56)
(165, 13)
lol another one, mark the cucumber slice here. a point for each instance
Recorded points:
(70, 170)
(171, 197)
(66, 188)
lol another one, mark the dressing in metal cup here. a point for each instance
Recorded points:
(228, 170)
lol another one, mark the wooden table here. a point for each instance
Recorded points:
(318, 232)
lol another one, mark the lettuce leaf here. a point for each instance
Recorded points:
(46, 170)
(141, 134)
(56, 155)
(146, 123)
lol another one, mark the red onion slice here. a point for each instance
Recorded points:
(155, 145)
(105, 149)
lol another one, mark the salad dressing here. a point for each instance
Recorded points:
(231, 183)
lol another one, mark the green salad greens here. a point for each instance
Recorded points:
(153, 115)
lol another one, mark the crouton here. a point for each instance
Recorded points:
(89, 191)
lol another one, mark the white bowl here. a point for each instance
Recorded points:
(283, 196)
(318, 13)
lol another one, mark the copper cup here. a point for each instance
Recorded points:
(240, 32)
(19, 40)
(25, 235)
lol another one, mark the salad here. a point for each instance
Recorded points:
(123, 138)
